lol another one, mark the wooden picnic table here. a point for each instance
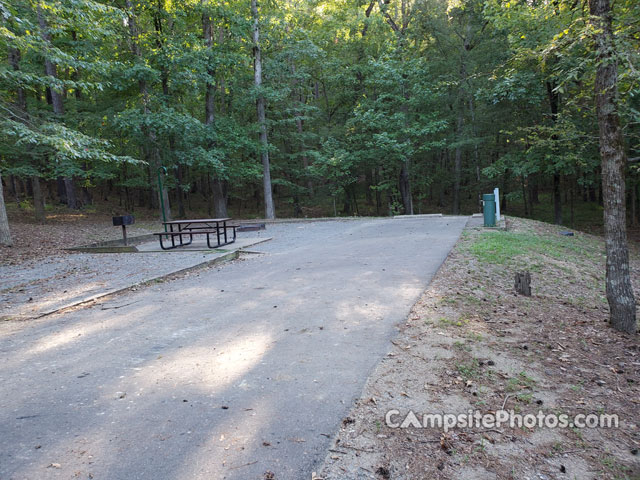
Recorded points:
(198, 226)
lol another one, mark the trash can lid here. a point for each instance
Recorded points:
(488, 197)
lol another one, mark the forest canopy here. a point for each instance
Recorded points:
(370, 107)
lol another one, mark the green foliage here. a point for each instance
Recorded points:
(355, 92)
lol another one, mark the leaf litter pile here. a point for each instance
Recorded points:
(471, 343)
(34, 241)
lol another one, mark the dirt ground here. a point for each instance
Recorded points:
(63, 229)
(471, 343)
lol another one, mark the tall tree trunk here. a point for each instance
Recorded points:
(57, 102)
(405, 188)
(368, 183)
(269, 211)
(13, 187)
(572, 197)
(180, 194)
(219, 198)
(75, 76)
(534, 191)
(444, 159)
(38, 199)
(299, 98)
(151, 154)
(21, 97)
(62, 193)
(21, 116)
(463, 95)
(50, 67)
(557, 200)
(474, 129)
(619, 289)
(376, 180)
(634, 204)
(216, 185)
(405, 178)
(305, 157)
(554, 103)
(457, 165)
(221, 81)
(72, 199)
(5, 233)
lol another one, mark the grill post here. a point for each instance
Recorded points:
(124, 220)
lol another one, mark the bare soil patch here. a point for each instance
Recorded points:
(63, 229)
(472, 343)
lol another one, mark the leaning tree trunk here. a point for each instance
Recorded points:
(619, 289)
(269, 210)
(5, 234)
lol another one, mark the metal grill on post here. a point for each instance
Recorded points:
(123, 221)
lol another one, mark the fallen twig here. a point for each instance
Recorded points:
(244, 465)
(337, 451)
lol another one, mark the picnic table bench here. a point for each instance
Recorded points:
(213, 228)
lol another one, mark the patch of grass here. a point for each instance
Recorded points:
(519, 382)
(470, 299)
(611, 463)
(481, 447)
(500, 247)
(578, 434)
(524, 397)
(475, 337)
(461, 345)
(536, 267)
(468, 370)
(447, 322)
(578, 386)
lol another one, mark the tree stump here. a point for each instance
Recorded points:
(523, 283)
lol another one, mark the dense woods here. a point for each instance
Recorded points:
(350, 107)
(322, 107)
(378, 107)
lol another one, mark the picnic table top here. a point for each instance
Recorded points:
(197, 220)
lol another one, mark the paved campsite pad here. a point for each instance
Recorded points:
(229, 372)
(44, 286)
(470, 343)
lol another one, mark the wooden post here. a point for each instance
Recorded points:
(523, 283)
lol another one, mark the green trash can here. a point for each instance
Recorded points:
(489, 209)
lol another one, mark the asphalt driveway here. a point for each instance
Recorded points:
(229, 372)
